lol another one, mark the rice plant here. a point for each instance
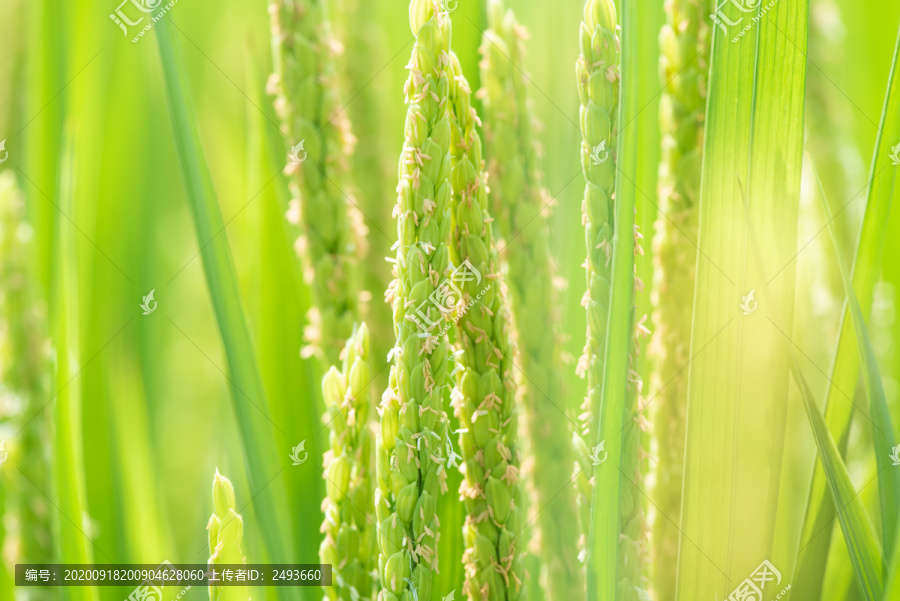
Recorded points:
(518, 195)
(410, 454)
(305, 86)
(684, 63)
(349, 543)
(545, 427)
(226, 533)
(484, 395)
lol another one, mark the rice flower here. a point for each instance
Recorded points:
(410, 454)
(598, 88)
(484, 398)
(518, 199)
(684, 60)
(305, 86)
(226, 531)
(598, 82)
(349, 544)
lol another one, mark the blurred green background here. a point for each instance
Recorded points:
(90, 143)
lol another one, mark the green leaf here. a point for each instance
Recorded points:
(48, 38)
(247, 392)
(892, 586)
(280, 322)
(815, 542)
(738, 375)
(604, 535)
(862, 544)
(882, 428)
(67, 455)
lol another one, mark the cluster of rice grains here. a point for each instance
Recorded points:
(518, 200)
(598, 79)
(684, 59)
(411, 448)
(332, 237)
(484, 396)
(349, 544)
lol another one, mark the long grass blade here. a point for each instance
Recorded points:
(48, 34)
(247, 393)
(815, 539)
(67, 454)
(738, 372)
(452, 513)
(862, 544)
(614, 492)
(882, 428)
(280, 324)
(892, 584)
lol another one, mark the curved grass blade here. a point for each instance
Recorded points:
(882, 428)
(247, 393)
(862, 544)
(815, 542)
(859, 535)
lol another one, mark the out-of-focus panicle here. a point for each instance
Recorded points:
(24, 365)
(305, 86)
(519, 203)
(683, 64)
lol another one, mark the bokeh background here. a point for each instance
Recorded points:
(86, 125)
